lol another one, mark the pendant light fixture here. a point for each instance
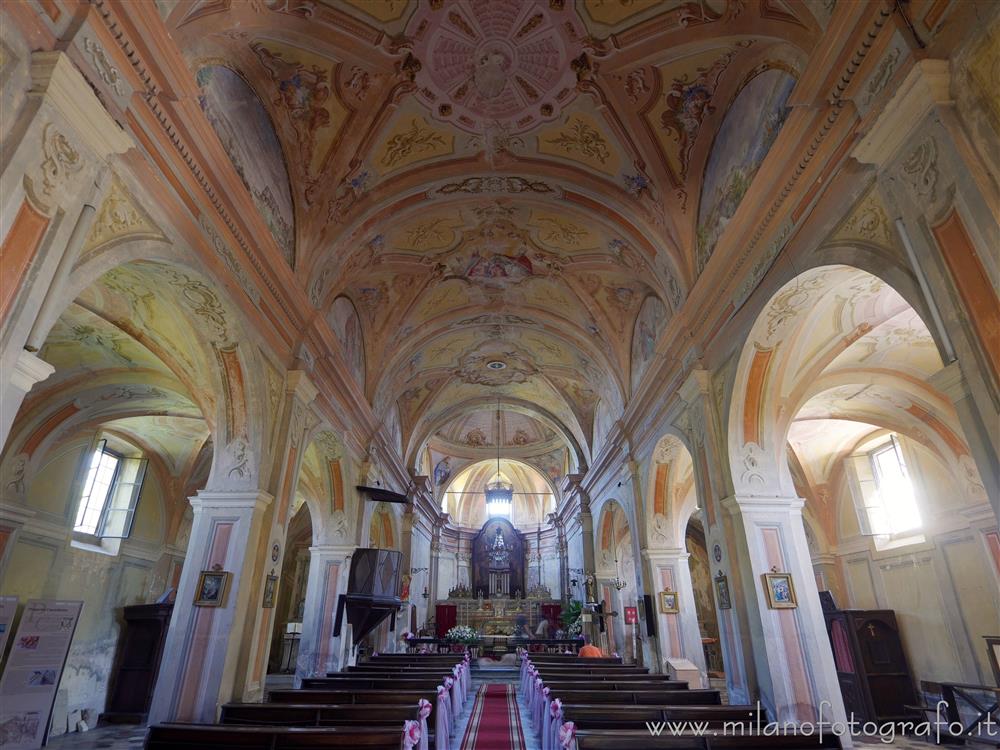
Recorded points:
(499, 494)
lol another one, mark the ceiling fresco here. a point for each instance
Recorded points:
(498, 198)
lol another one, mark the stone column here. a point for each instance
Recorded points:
(198, 668)
(795, 671)
(678, 634)
(318, 649)
(700, 422)
(295, 422)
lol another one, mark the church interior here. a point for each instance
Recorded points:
(499, 374)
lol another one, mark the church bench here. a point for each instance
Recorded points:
(350, 682)
(555, 686)
(215, 736)
(292, 715)
(343, 695)
(400, 668)
(413, 674)
(597, 673)
(540, 659)
(610, 716)
(641, 739)
(631, 696)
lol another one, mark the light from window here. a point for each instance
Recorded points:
(896, 509)
(110, 494)
(96, 490)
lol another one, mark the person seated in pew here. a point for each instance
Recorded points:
(590, 651)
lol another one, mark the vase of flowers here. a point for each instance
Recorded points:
(461, 634)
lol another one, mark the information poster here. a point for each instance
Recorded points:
(631, 615)
(34, 668)
(8, 608)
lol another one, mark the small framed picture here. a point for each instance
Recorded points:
(722, 592)
(780, 590)
(211, 591)
(669, 604)
(270, 587)
(993, 651)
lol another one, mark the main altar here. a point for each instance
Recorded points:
(498, 603)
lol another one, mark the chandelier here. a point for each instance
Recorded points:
(499, 494)
(618, 582)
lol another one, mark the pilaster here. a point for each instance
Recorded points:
(678, 633)
(319, 650)
(795, 671)
(201, 654)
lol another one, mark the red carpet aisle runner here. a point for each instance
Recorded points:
(495, 723)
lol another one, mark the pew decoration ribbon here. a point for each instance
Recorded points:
(550, 741)
(442, 722)
(424, 707)
(449, 684)
(411, 735)
(567, 735)
(457, 670)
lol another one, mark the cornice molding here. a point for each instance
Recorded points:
(57, 80)
(926, 86)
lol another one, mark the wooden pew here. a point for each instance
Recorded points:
(586, 670)
(611, 716)
(341, 696)
(350, 682)
(557, 686)
(292, 715)
(641, 697)
(640, 739)
(539, 659)
(569, 674)
(215, 736)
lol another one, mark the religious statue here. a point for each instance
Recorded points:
(590, 589)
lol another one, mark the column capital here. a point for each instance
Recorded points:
(695, 385)
(298, 384)
(28, 370)
(55, 77)
(926, 86)
(256, 500)
(332, 550)
(951, 382)
(746, 504)
(675, 554)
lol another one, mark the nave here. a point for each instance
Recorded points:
(551, 702)
(666, 328)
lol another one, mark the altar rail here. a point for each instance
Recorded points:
(493, 644)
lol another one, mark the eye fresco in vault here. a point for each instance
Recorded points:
(247, 133)
(751, 126)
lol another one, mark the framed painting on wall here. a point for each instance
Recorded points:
(722, 592)
(211, 590)
(993, 649)
(270, 587)
(669, 604)
(780, 590)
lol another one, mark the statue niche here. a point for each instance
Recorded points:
(498, 561)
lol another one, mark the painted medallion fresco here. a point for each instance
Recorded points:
(344, 320)
(652, 315)
(749, 130)
(247, 134)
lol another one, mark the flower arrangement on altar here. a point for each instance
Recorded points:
(461, 634)
(406, 635)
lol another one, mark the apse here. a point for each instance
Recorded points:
(534, 498)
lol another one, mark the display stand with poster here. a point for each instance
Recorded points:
(33, 671)
(8, 608)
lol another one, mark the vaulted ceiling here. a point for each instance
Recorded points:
(496, 198)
